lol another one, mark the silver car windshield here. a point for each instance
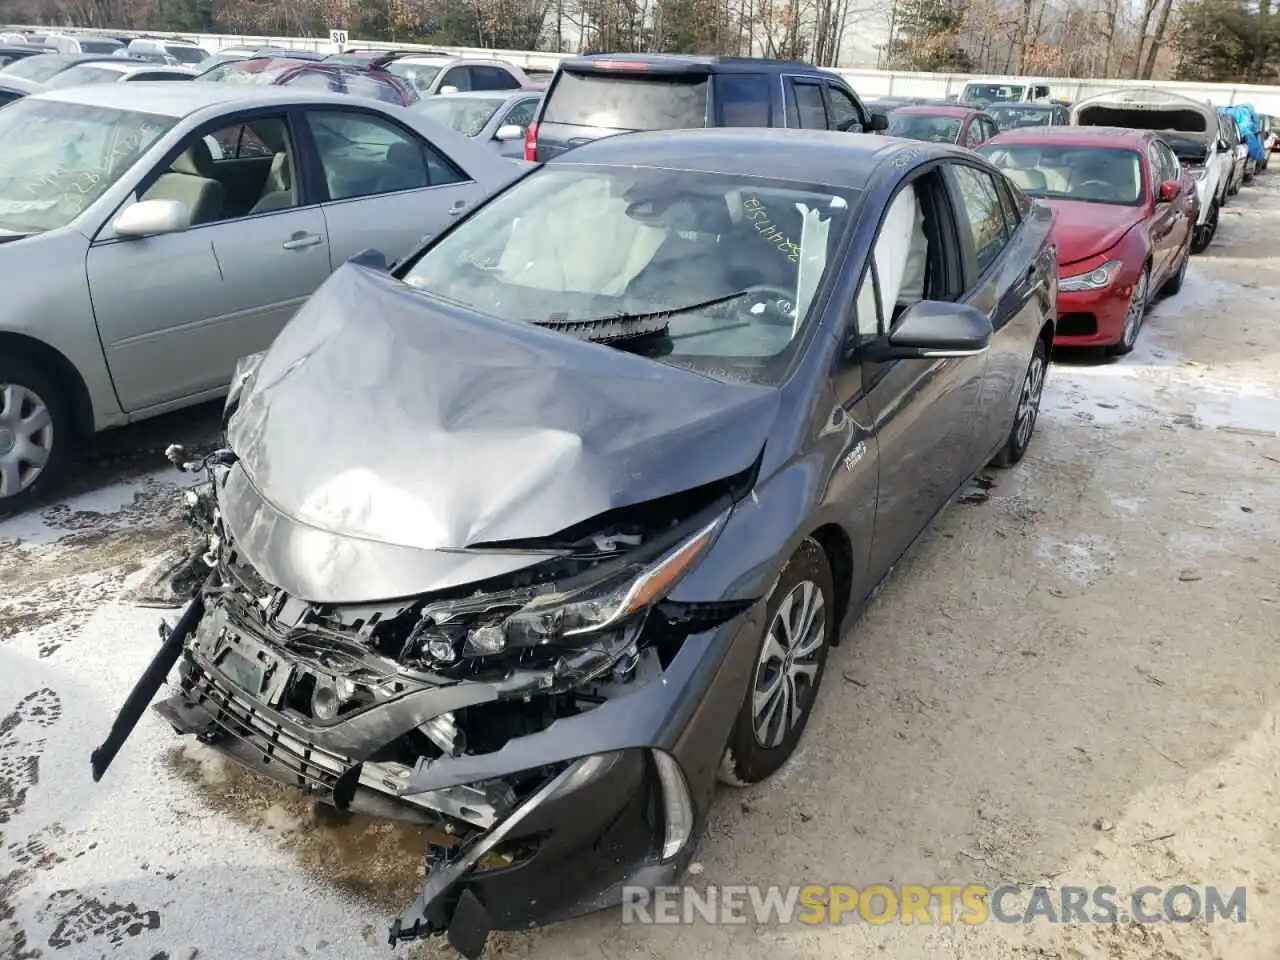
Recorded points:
(728, 265)
(62, 156)
(418, 74)
(467, 115)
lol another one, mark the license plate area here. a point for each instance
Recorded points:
(254, 669)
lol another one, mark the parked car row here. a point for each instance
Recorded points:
(550, 480)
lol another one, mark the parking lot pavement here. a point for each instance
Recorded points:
(1073, 681)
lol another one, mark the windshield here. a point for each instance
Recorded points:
(185, 54)
(419, 74)
(467, 115)
(628, 103)
(100, 46)
(38, 68)
(1008, 118)
(913, 126)
(79, 76)
(62, 156)
(1096, 174)
(992, 93)
(708, 271)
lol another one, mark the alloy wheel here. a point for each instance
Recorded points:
(788, 666)
(26, 438)
(1029, 400)
(1137, 310)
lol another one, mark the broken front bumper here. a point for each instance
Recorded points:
(623, 788)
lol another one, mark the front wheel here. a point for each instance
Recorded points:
(1028, 412)
(35, 432)
(1133, 316)
(800, 619)
(1204, 233)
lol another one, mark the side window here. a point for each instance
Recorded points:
(522, 113)
(1012, 214)
(989, 128)
(1171, 163)
(459, 77)
(6, 97)
(159, 76)
(975, 134)
(492, 78)
(241, 169)
(843, 111)
(363, 155)
(810, 110)
(742, 99)
(984, 214)
(1042, 93)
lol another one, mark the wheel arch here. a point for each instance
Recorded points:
(62, 370)
(834, 541)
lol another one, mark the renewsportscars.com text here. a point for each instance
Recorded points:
(815, 904)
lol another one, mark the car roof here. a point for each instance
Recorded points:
(1081, 136)
(926, 110)
(843, 160)
(181, 98)
(708, 63)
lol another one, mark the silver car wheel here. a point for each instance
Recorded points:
(26, 438)
(1137, 309)
(1029, 401)
(788, 665)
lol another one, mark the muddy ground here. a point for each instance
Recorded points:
(1073, 682)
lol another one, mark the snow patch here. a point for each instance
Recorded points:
(1084, 560)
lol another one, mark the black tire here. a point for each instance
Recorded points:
(32, 380)
(1174, 284)
(1202, 236)
(1029, 396)
(748, 758)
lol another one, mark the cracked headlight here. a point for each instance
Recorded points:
(1096, 279)
(578, 617)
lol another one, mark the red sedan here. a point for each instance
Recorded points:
(1123, 215)
(964, 126)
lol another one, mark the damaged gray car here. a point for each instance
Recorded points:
(541, 532)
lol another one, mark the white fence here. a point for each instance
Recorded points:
(868, 83)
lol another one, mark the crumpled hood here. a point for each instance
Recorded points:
(384, 415)
(1082, 229)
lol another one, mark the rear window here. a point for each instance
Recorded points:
(99, 46)
(628, 102)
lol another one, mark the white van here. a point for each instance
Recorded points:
(178, 53)
(1004, 91)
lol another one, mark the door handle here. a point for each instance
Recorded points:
(300, 241)
(457, 208)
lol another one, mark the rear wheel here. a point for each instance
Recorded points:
(800, 620)
(1133, 316)
(35, 432)
(1174, 283)
(1028, 412)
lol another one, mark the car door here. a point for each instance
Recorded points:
(176, 311)
(1165, 216)
(385, 187)
(1184, 207)
(921, 413)
(1007, 276)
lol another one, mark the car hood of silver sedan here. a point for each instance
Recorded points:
(381, 416)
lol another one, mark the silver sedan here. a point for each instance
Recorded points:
(152, 234)
(496, 118)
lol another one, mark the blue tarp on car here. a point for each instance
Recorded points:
(1246, 119)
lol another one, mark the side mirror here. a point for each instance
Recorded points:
(1169, 190)
(149, 218)
(930, 330)
(448, 88)
(371, 258)
(879, 123)
(509, 131)
(1222, 146)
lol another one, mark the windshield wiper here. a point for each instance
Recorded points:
(629, 326)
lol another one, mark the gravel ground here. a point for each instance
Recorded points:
(1074, 680)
